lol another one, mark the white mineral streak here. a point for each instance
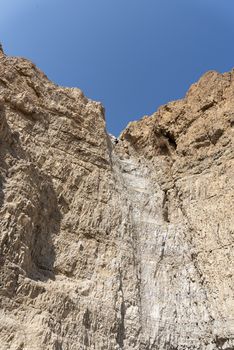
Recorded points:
(173, 304)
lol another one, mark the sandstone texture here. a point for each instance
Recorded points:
(115, 246)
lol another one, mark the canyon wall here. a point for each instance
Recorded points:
(115, 245)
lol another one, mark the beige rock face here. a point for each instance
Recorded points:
(109, 247)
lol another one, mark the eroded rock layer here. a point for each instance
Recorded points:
(111, 246)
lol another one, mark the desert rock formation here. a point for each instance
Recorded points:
(112, 246)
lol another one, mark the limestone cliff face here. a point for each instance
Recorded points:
(111, 247)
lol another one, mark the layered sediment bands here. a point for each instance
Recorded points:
(114, 246)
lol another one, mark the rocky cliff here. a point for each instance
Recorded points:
(106, 246)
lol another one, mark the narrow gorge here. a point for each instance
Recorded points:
(115, 244)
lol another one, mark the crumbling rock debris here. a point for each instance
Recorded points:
(111, 245)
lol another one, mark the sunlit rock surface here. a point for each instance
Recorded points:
(113, 244)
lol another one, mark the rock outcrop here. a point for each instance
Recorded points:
(115, 245)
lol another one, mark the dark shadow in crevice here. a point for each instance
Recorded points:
(171, 139)
(165, 141)
(47, 226)
(1, 189)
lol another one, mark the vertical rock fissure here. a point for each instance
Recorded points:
(121, 328)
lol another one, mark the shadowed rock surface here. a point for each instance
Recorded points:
(112, 245)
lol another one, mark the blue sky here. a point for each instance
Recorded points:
(132, 55)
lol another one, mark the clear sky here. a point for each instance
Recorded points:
(132, 55)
